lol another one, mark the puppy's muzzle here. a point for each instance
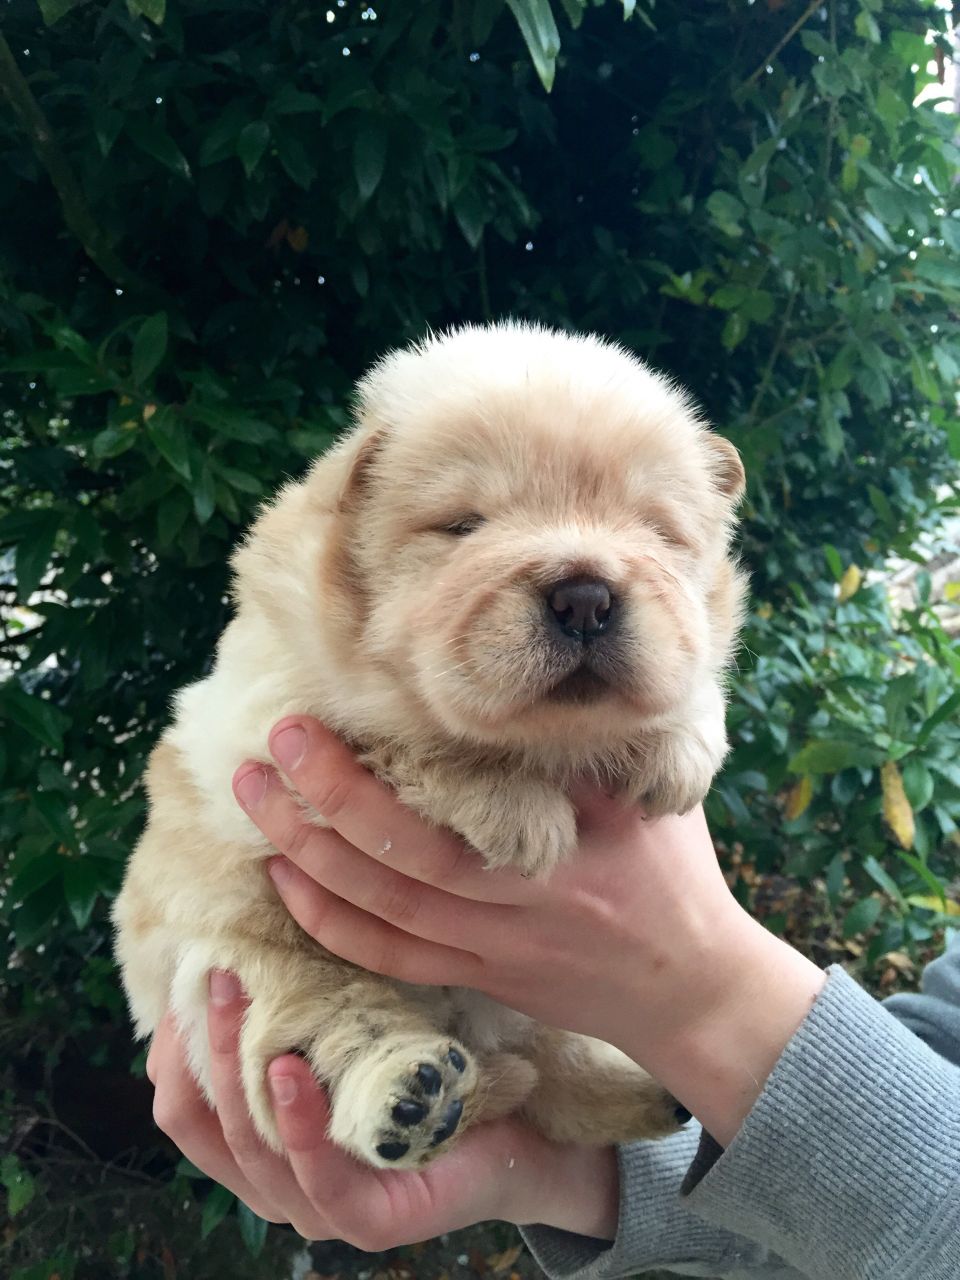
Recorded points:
(580, 609)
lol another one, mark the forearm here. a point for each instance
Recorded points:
(717, 1062)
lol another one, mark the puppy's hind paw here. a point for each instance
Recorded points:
(403, 1109)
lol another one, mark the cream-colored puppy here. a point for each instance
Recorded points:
(513, 572)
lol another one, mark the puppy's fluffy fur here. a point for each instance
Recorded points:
(402, 593)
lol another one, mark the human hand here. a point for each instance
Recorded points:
(637, 940)
(502, 1170)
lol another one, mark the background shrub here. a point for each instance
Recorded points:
(213, 216)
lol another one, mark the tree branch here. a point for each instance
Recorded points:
(76, 212)
(781, 44)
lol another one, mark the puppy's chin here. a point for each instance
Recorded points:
(571, 714)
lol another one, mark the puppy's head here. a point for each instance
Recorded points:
(538, 528)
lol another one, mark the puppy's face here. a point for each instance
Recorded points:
(539, 528)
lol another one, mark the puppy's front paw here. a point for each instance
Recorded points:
(675, 777)
(673, 795)
(403, 1108)
(531, 831)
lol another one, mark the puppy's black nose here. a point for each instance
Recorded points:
(581, 608)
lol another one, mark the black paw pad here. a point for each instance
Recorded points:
(451, 1119)
(456, 1060)
(429, 1078)
(393, 1150)
(682, 1114)
(408, 1112)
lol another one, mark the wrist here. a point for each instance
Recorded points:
(579, 1192)
(752, 993)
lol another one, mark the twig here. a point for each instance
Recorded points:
(76, 212)
(482, 278)
(774, 354)
(805, 17)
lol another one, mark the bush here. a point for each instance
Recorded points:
(219, 214)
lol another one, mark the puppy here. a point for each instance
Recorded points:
(513, 572)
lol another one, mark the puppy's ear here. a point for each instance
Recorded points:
(727, 468)
(356, 483)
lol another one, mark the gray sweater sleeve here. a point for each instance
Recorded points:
(847, 1168)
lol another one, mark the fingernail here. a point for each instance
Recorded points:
(279, 869)
(284, 1089)
(224, 987)
(289, 746)
(251, 788)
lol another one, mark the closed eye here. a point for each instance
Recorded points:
(463, 526)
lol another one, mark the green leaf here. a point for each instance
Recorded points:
(241, 480)
(31, 920)
(52, 808)
(53, 10)
(862, 916)
(881, 877)
(917, 783)
(204, 495)
(252, 143)
(149, 347)
(39, 871)
(946, 709)
(471, 213)
(82, 884)
(154, 141)
(41, 719)
(831, 756)
(726, 211)
(369, 157)
(539, 29)
(865, 25)
(832, 557)
(34, 551)
(232, 423)
(734, 330)
(215, 1209)
(19, 1184)
(294, 158)
(112, 441)
(172, 516)
(938, 270)
(760, 157)
(253, 1229)
(155, 10)
(921, 869)
(836, 878)
(574, 9)
(167, 434)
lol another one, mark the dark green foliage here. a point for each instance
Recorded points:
(214, 216)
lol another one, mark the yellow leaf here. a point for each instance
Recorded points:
(298, 238)
(850, 582)
(896, 806)
(504, 1261)
(148, 411)
(951, 591)
(765, 610)
(798, 798)
(932, 903)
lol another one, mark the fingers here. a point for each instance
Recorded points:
(350, 1194)
(268, 1174)
(327, 858)
(368, 941)
(182, 1114)
(369, 816)
(377, 1210)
